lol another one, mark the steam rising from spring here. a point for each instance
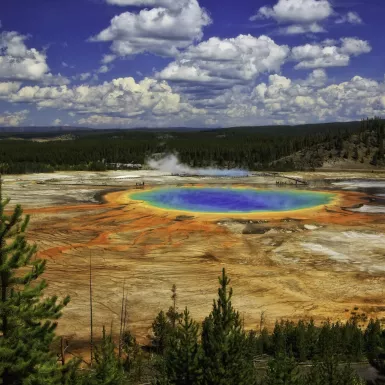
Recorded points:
(171, 164)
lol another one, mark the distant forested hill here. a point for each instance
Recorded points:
(255, 148)
(361, 149)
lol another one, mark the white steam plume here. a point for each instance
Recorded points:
(171, 164)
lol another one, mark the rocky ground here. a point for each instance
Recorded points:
(321, 263)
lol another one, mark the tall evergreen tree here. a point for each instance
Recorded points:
(162, 329)
(312, 335)
(183, 355)
(224, 343)
(301, 343)
(27, 319)
(373, 339)
(279, 338)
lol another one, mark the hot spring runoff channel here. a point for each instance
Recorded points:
(231, 200)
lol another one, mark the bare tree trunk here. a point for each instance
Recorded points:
(121, 321)
(91, 315)
(125, 316)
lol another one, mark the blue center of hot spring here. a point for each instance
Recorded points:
(231, 200)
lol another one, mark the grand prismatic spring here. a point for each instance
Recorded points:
(292, 252)
(231, 200)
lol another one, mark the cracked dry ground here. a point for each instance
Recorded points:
(271, 272)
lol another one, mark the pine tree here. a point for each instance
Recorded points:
(312, 334)
(373, 339)
(283, 370)
(27, 319)
(279, 339)
(129, 347)
(132, 356)
(301, 344)
(173, 315)
(224, 343)
(162, 330)
(107, 369)
(183, 355)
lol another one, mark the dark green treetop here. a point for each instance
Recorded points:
(183, 357)
(224, 342)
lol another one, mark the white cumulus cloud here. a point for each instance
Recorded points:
(162, 31)
(226, 62)
(124, 102)
(9, 87)
(122, 97)
(304, 16)
(313, 100)
(296, 11)
(354, 46)
(322, 55)
(13, 119)
(18, 62)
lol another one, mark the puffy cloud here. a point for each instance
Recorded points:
(313, 101)
(121, 97)
(13, 119)
(225, 63)
(304, 16)
(350, 17)
(60, 80)
(316, 56)
(9, 87)
(126, 103)
(17, 62)
(57, 122)
(289, 101)
(354, 46)
(323, 55)
(316, 78)
(162, 31)
(296, 11)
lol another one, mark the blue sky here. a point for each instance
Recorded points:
(159, 63)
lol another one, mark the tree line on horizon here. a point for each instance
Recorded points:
(218, 351)
(248, 147)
